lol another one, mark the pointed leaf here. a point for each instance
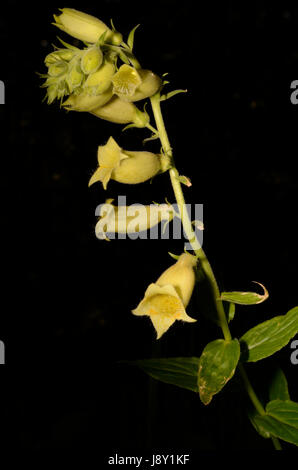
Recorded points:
(281, 420)
(217, 366)
(278, 389)
(179, 371)
(131, 37)
(252, 414)
(166, 96)
(68, 46)
(269, 337)
(184, 180)
(245, 298)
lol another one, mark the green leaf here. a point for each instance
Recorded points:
(184, 180)
(286, 411)
(270, 336)
(245, 298)
(179, 371)
(217, 366)
(123, 57)
(252, 414)
(278, 389)
(68, 46)
(131, 36)
(281, 420)
(166, 96)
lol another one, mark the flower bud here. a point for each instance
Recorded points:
(85, 27)
(60, 54)
(130, 219)
(74, 77)
(165, 301)
(99, 81)
(122, 112)
(134, 85)
(85, 102)
(51, 94)
(57, 69)
(124, 166)
(91, 60)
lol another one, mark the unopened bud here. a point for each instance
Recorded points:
(91, 60)
(60, 54)
(99, 81)
(57, 69)
(85, 27)
(75, 77)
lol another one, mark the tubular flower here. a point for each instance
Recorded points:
(166, 299)
(134, 85)
(124, 166)
(85, 27)
(101, 80)
(121, 112)
(130, 219)
(86, 102)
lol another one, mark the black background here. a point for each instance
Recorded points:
(66, 296)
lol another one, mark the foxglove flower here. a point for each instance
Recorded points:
(85, 27)
(131, 84)
(130, 219)
(122, 112)
(124, 166)
(166, 299)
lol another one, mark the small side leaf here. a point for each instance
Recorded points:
(269, 337)
(184, 180)
(131, 36)
(166, 96)
(281, 420)
(179, 371)
(252, 414)
(245, 298)
(278, 389)
(231, 311)
(217, 366)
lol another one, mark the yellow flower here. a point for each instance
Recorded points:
(99, 81)
(124, 166)
(122, 112)
(86, 102)
(130, 219)
(85, 27)
(134, 85)
(165, 301)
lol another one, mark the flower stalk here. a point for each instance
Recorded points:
(205, 265)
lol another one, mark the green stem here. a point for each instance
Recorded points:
(187, 225)
(205, 265)
(256, 402)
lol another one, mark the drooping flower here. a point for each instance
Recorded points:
(122, 112)
(124, 166)
(166, 299)
(131, 84)
(130, 219)
(85, 27)
(86, 102)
